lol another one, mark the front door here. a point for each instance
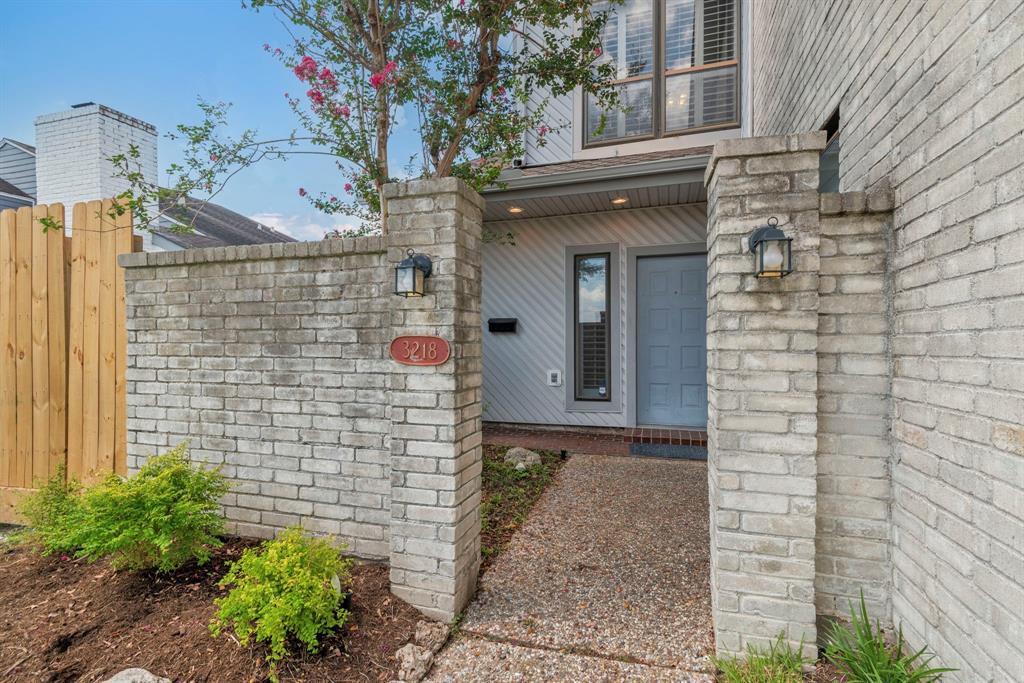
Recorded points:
(671, 355)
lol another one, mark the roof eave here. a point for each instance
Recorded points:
(608, 179)
(19, 145)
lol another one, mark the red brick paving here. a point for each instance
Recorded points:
(595, 442)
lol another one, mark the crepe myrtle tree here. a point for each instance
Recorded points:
(458, 70)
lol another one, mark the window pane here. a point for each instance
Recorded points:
(703, 98)
(593, 329)
(628, 37)
(679, 44)
(633, 120)
(719, 30)
(828, 171)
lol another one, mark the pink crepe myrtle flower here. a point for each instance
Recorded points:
(302, 192)
(334, 200)
(315, 96)
(597, 51)
(277, 52)
(348, 187)
(213, 157)
(305, 69)
(266, 47)
(452, 44)
(543, 130)
(380, 78)
(327, 78)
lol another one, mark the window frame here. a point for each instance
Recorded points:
(577, 339)
(613, 403)
(659, 75)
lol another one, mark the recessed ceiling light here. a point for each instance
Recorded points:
(515, 209)
(620, 200)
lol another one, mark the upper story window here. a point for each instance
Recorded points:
(676, 65)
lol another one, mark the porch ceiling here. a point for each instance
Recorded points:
(590, 186)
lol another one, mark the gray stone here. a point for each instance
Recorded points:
(522, 456)
(431, 635)
(136, 676)
(413, 662)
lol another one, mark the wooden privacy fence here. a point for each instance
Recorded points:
(63, 344)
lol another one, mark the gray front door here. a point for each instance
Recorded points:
(671, 355)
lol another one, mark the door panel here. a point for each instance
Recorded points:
(671, 354)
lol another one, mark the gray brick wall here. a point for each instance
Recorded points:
(271, 360)
(436, 451)
(763, 394)
(932, 102)
(854, 367)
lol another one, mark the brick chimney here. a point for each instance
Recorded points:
(73, 148)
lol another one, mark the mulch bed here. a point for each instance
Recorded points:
(65, 620)
(508, 495)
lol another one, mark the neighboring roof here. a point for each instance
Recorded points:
(28, 149)
(7, 188)
(219, 227)
(613, 162)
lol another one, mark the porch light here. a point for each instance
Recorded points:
(515, 209)
(618, 201)
(411, 273)
(773, 251)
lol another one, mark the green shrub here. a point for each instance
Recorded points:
(165, 516)
(780, 663)
(862, 654)
(48, 512)
(291, 587)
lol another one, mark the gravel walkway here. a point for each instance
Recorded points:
(612, 566)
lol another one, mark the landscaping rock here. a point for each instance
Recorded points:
(136, 676)
(431, 635)
(413, 662)
(522, 456)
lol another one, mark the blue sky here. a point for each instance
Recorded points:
(151, 59)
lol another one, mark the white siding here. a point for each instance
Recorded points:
(528, 281)
(18, 167)
(557, 117)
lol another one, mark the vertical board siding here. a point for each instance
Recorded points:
(63, 347)
(528, 280)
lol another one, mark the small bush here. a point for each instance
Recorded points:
(166, 515)
(780, 663)
(862, 654)
(48, 512)
(291, 587)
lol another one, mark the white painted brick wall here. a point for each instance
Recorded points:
(73, 148)
(932, 101)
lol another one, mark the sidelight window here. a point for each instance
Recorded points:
(592, 322)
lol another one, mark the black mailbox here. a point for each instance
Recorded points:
(502, 325)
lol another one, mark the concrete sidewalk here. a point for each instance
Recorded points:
(607, 581)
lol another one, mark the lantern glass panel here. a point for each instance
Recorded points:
(418, 278)
(404, 280)
(772, 258)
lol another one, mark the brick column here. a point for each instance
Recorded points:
(762, 393)
(435, 411)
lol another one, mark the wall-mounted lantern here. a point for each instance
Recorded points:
(411, 273)
(773, 251)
